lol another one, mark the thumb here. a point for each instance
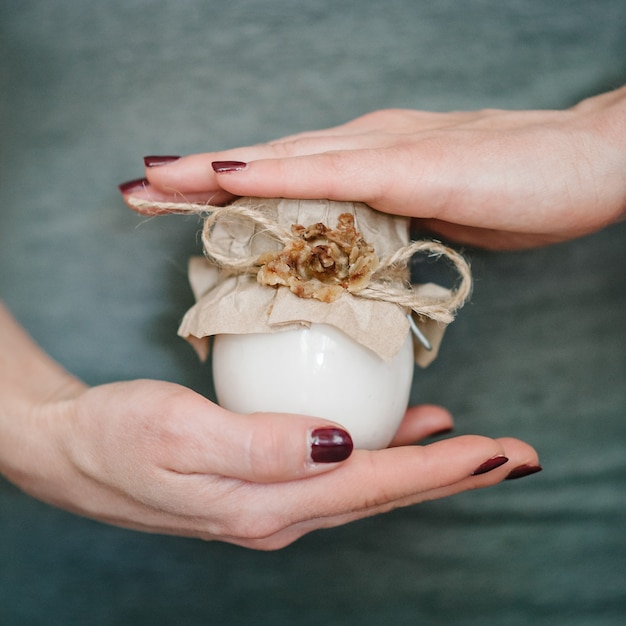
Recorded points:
(275, 447)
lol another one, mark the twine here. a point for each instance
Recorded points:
(384, 280)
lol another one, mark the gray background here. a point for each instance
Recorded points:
(86, 89)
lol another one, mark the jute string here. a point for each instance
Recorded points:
(383, 285)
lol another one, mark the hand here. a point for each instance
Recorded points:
(158, 457)
(495, 179)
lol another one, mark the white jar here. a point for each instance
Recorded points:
(317, 371)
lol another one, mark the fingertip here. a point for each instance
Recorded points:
(129, 187)
(184, 175)
(524, 458)
(135, 193)
(279, 447)
(159, 160)
(330, 444)
(422, 421)
(491, 464)
(228, 167)
(470, 455)
(521, 471)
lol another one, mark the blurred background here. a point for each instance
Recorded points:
(87, 89)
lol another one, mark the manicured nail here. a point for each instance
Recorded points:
(443, 431)
(133, 185)
(155, 161)
(491, 464)
(523, 470)
(330, 445)
(228, 166)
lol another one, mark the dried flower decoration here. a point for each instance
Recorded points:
(321, 262)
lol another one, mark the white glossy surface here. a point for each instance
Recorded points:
(316, 371)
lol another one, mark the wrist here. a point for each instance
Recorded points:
(603, 119)
(27, 374)
(33, 388)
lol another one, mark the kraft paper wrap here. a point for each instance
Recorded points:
(232, 303)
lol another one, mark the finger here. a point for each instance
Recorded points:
(522, 460)
(389, 121)
(372, 479)
(182, 432)
(355, 175)
(397, 473)
(421, 422)
(144, 198)
(319, 169)
(265, 447)
(521, 457)
(379, 129)
(368, 483)
(519, 454)
(374, 131)
(194, 173)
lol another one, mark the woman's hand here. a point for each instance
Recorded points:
(495, 179)
(158, 457)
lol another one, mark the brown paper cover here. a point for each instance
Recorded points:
(237, 304)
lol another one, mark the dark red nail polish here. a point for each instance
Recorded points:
(228, 166)
(523, 470)
(133, 185)
(155, 161)
(491, 464)
(330, 445)
(443, 431)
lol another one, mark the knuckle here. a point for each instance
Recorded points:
(289, 147)
(367, 175)
(166, 434)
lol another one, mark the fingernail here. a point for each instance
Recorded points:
(155, 161)
(523, 470)
(330, 445)
(491, 464)
(443, 431)
(133, 185)
(228, 166)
